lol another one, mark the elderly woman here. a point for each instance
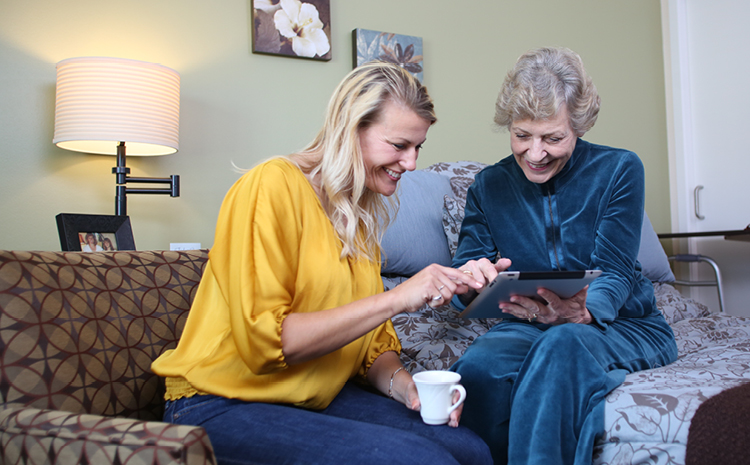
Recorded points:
(538, 379)
(289, 333)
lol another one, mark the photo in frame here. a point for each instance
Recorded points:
(292, 28)
(94, 233)
(405, 51)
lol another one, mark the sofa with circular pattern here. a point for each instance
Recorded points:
(78, 332)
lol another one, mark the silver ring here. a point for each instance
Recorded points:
(532, 317)
(441, 287)
(437, 297)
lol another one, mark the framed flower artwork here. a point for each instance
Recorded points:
(405, 51)
(292, 28)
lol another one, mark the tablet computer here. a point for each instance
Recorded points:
(565, 284)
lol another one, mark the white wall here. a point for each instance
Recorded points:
(239, 107)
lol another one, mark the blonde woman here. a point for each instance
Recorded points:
(291, 310)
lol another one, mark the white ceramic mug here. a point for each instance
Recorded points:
(436, 388)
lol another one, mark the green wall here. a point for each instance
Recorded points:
(239, 108)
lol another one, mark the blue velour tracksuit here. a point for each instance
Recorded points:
(536, 392)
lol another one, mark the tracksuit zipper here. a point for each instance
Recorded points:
(552, 221)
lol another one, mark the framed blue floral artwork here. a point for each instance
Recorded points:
(292, 28)
(403, 50)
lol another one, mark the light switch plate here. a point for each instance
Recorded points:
(184, 245)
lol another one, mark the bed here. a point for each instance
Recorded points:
(648, 418)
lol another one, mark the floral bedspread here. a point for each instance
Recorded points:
(647, 418)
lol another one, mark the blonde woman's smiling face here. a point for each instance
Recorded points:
(543, 147)
(390, 146)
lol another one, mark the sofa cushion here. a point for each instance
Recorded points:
(461, 175)
(78, 331)
(47, 436)
(415, 238)
(675, 306)
(453, 215)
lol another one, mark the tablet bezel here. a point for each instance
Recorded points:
(563, 283)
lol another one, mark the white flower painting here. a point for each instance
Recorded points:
(292, 28)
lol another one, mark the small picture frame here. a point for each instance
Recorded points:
(403, 50)
(292, 28)
(94, 233)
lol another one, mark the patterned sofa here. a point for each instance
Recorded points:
(78, 332)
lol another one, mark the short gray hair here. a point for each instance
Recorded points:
(543, 80)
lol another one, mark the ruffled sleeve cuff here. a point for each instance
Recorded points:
(384, 340)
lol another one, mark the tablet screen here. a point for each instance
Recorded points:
(563, 283)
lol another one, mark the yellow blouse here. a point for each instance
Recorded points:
(275, 252)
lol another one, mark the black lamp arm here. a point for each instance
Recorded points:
(121, 172)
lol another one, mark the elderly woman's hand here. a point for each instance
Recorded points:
(555, 312)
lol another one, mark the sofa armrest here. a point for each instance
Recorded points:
(37, 436)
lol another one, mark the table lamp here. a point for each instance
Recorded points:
(104, 104)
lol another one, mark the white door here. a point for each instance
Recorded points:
(707, 48)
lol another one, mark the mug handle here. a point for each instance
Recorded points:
(461, 399)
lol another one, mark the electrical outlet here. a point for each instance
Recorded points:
(184, 245)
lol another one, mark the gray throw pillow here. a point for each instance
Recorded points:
(652, 256)
(416, 239)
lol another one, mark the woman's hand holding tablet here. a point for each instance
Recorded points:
(563, 284)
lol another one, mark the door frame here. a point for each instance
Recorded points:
(680, 144)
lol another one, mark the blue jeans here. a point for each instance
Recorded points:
(358, 427)
(537, 396)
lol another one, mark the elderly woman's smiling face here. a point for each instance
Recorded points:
(542, 147)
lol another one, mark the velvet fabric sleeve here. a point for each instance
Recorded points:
(618, 237)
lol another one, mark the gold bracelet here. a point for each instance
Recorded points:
(390, 386)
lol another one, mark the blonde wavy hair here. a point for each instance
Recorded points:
(541, 82)
(359, 216)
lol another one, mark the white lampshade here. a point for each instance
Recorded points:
(104, 101)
